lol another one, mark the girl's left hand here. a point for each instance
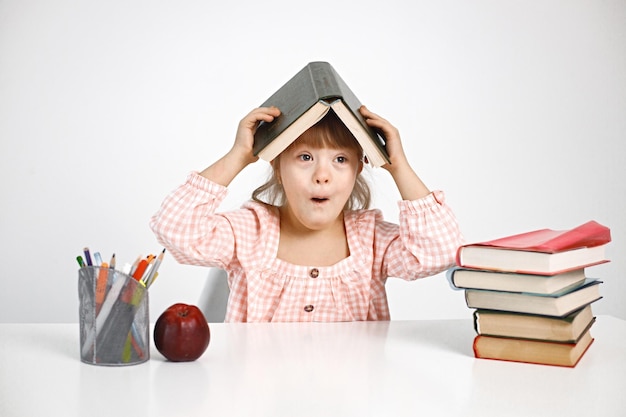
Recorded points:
(409, 184)
(392, 136)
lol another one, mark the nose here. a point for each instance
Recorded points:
(321, 174)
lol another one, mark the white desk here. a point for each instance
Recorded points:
(404, 368)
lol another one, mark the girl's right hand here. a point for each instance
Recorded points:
(225, 169)
(244, 139)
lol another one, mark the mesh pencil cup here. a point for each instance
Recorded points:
(114, 318)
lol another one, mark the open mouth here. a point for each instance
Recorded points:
(319, 199)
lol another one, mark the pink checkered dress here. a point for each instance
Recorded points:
(264, 288)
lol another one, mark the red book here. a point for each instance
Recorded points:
(541, 252)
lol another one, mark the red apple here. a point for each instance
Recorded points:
(181, 333)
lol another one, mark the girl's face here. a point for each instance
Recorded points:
(317, 183)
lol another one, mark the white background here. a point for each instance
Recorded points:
(517, 110)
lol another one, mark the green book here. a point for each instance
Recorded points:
(303, 101)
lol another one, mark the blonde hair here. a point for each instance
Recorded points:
(329, 132)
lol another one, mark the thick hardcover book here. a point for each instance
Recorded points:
(544, 252)
(532, 351)
(303, 101)
(514, 282)
(556, 305)
(568, 329)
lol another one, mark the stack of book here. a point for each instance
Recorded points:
(531, 293)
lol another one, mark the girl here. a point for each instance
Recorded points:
(307, 248)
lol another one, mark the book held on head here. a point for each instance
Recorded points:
(304, 100)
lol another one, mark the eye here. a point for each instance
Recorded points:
(341, 159)
(304, 157)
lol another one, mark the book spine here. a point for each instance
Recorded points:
(324, 80)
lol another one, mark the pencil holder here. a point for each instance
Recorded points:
(114, 318)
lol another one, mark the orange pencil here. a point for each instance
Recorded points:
(141, 268)
(101, 285)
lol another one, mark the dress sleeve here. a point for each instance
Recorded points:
(426, 241)
(189, 228)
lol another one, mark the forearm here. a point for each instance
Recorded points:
(225, 169)
(408, 182)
